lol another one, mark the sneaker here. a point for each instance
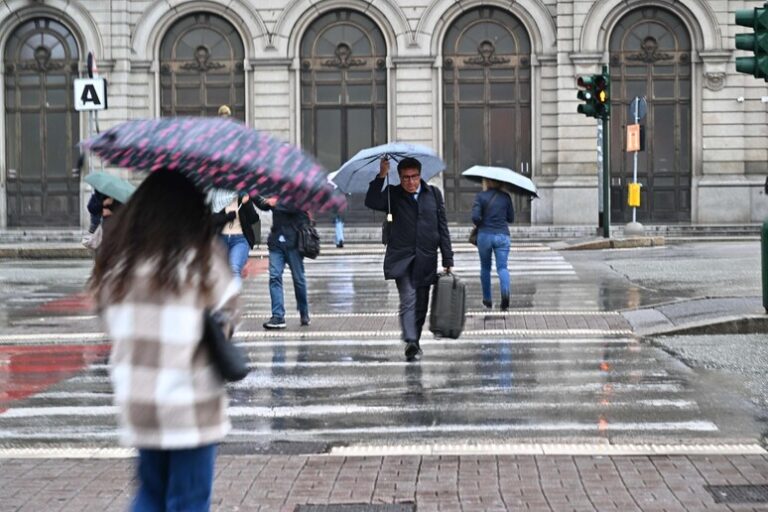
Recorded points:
(488, 304)
(305, 320)
(340, 244)
(274, 323)
(504, 302)
(412, 351)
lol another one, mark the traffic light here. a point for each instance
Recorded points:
(587, 95)
(603, 96)
(596, 95)
(757, 42)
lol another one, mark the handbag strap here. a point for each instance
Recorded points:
(495, 193)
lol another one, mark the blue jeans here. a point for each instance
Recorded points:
(339, 224)
(496, 244)
(278, 257)
(175, 480)
(237, 252)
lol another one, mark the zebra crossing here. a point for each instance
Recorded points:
(344, 389)
(352, 393)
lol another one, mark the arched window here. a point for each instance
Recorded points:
(41, 125)
(486, 102)
(650, 57)
(343, 91)
(201, 68)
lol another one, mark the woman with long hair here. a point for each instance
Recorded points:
(492, 211)
(158, 271)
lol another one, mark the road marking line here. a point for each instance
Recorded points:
(587, 449)
(325, 410)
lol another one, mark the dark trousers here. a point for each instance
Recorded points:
(175, 480)
(414, 302)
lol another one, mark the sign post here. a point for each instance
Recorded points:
(637, 111)
(91, 96)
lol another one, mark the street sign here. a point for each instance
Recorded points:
(638, 107)
(90, 94)
(633, 137)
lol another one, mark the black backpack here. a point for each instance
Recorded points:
(308, 241)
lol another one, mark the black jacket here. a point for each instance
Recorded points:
(418, 229)
(248, 217)
(286, 222)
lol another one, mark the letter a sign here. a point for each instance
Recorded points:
(90, 94)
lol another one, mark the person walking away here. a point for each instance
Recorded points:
(492, 211)
(419, 227)
(234, 216)
(283, 249)
(162, 267)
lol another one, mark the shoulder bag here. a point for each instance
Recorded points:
(229, 360)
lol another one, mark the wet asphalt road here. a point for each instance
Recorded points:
(312, 385)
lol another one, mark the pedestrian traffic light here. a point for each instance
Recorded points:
(756, 42)
(595, 95)
(587, 95)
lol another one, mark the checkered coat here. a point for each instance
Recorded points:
(167, 393)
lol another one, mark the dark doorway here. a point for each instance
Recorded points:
(486, 104)
(650, 56)
(41, 126)
(343, 94)
(201, 68)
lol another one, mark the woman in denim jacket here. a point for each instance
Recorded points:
(492, 211)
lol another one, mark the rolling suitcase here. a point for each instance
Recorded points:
(448, 306)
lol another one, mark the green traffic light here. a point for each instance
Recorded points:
(756, 42)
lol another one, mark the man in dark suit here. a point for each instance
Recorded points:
(419, 226)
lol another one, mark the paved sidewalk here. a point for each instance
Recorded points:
(423, 483)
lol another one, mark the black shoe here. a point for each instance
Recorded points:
(274, 323)
(340, 245)
(488, 304)
(305, 320)
(412, 351)
(504, 302)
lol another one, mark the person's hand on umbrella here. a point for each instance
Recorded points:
(383, 166)
(245, 198)
(106, 210)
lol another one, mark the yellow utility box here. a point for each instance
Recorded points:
(634, 195)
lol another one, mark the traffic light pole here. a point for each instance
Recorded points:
(606, 179)
(606, 172)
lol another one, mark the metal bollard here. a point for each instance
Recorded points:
(764, 252)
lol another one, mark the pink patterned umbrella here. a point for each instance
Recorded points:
(223, 153)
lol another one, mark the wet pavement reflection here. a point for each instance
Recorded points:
(307, 385)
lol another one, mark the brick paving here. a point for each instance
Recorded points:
(434, 483)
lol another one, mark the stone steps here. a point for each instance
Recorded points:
(372, 234)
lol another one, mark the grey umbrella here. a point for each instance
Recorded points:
(515, 182)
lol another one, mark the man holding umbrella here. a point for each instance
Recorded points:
(419, 226)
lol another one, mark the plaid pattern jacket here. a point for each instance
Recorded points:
(167, 393)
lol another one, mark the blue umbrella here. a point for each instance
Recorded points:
(357, 172)
(111, 186)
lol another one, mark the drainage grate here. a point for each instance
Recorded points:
(274, 448)
(358, 507)
(738, 493)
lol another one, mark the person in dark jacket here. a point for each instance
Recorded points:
(233, 216)
(283, 249)
(492, 211)
(419, 226)
(95, 205)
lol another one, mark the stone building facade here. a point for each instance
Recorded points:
(482, 82)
